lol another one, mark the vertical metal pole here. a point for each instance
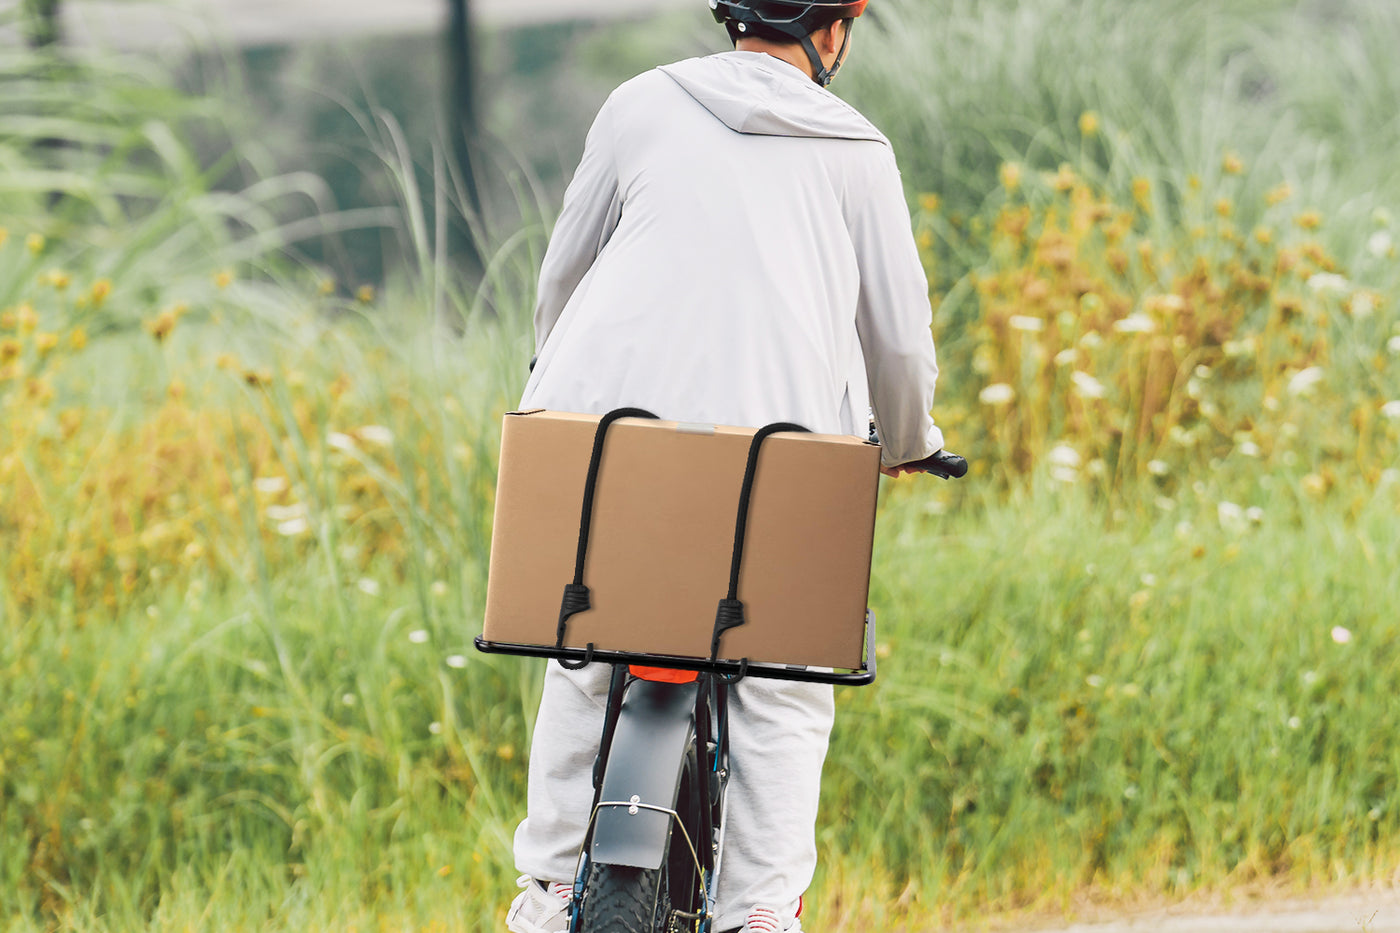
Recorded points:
(42, 25)
(462, 115)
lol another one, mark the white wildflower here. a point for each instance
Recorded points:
(348, 699)
(1026, 323)
(1063, 455)
(376, 434)
(1248, 448)
(456, 661)
(1391, 410)
(1091, 340)
(270, 485)
(997, 394)
(435, 728)
(286, 513)
(1135, 324)
(1255, 515)
(1393, 345)
(1158, 467)
(1238, 349)
(1067, 357)
(293, 527)
(1380, 244)
(418, 636)
(368, 586)
(1304, 381)
(340, 441)
(1086, 386)
(1231, 516)
(1363, 305)
(1341, 636)
(1328, 282)
(1295, 723)
(439, 588)
(1094, 680)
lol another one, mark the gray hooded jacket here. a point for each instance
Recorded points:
(735, 248)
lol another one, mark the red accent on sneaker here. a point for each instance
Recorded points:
(763, 920)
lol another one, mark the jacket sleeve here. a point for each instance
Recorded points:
(893, 318)
(590, 213)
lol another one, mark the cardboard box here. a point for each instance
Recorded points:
(662, 537)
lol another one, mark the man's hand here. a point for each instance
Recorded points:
(940, 463)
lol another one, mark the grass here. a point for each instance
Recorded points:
(1147, 651)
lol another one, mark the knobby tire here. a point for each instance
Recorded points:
(621, 899)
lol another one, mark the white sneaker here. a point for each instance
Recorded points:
(539, 908)
(766, 920)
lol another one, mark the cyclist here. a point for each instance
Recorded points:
(734, 248)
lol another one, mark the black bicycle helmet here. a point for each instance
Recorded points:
(789, 21)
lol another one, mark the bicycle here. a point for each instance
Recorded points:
(654, 844)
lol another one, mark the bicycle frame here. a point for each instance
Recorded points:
(662, 767)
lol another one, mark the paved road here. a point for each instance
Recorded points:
(145, 23)
(1364, 912)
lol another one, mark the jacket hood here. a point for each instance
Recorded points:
(752, 92)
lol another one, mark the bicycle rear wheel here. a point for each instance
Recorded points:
(622, 899)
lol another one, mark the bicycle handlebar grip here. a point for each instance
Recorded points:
(944, 463)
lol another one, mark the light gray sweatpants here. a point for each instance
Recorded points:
(778, 740)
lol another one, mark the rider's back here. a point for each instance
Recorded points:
(738, 220)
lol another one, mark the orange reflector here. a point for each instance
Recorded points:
(663, 675)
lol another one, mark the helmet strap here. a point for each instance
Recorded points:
(820, 73)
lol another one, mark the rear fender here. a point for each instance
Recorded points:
(655, 734)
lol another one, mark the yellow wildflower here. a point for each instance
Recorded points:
(164, 323)
(365, 294)
(223, 279)
(58, 279)
(1309, 220)
(78, 339)
(1010, 174)
(929, 202)
(44, 342)
(100, 290)
(1232, 164)
(1224, 207)
(1064, 179)
(8, 320)
(326, 287)
(1278, 195)
(1263, 235)
(1089, 123)
(1142, 193)
(4, 235)
(9, 349)
(39, 390)
(28, 319)
(35, 243)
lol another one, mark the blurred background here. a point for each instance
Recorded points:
(505, 89)
(266, 280)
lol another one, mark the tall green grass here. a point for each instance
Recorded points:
(266, 714)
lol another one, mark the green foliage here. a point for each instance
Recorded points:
(245, 519)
